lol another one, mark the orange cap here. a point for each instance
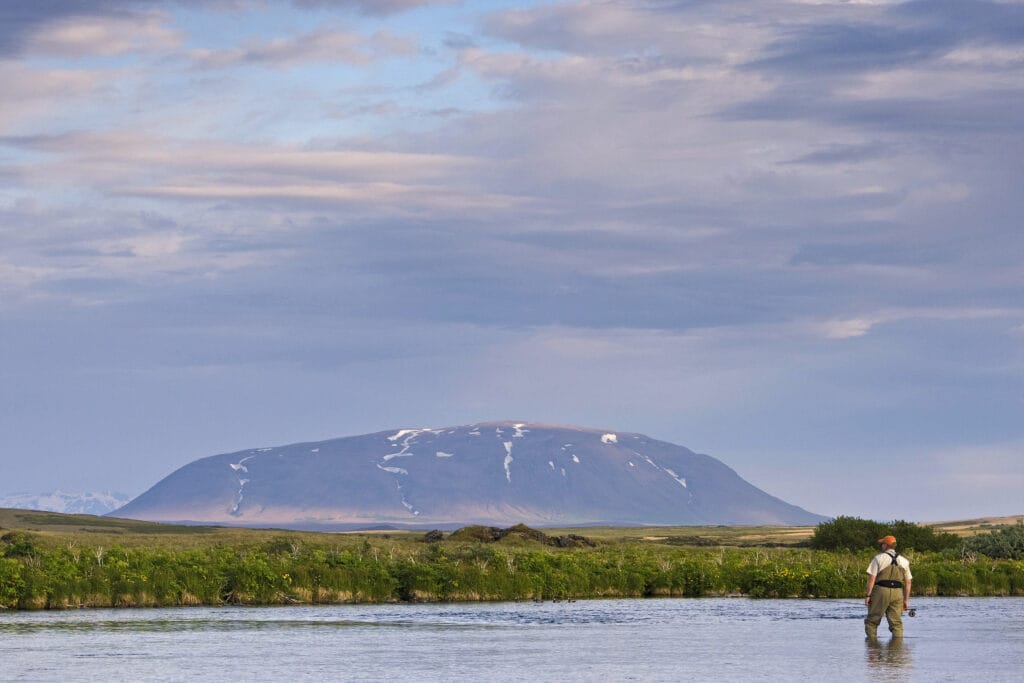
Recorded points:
(888, 540)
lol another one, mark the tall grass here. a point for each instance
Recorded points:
(38, 572)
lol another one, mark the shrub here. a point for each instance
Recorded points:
(1005, 543)
(854, 533)
(17, 544)
(476, 534)
(11, 582)
(846, 533)
(912, 536)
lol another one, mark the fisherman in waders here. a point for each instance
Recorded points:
(888, 590)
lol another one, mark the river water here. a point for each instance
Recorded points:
(718, 639)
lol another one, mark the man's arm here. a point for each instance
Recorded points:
(871, 586)
(906, 594)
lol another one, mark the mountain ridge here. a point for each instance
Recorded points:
(68, 502)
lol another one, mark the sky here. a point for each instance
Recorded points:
(783, 233)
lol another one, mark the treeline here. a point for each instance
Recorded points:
(35, 575)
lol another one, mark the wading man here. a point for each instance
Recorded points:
(888, 590)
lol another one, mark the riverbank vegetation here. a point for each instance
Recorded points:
(61, 561)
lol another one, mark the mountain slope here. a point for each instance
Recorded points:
(492, 473)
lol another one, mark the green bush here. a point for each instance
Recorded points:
(910, 536)
(17, 544)
(11, 582)
(1005, 542)
(955, 581)
(846, 533)
(854, 533)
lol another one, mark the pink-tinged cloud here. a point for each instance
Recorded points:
(104, 36)
(320, 46)
(371, 7)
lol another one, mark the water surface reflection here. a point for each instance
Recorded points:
(889, 659)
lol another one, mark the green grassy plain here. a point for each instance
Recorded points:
(54, 561)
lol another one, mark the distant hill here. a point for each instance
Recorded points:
(497, 473)
(65, 501)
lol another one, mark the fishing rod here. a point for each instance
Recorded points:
(912, 612)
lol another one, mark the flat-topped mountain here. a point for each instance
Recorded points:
(496, 473)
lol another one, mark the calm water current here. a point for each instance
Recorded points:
(718, 639)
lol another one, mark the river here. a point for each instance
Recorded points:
(717, 639)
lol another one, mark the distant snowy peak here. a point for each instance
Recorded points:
(66, 502)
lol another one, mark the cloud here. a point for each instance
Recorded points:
(80, 36)
(986, 111)
(992, 57)
(106, 27)
(860, 326)
(322, 45)
(897, 35)
(593, 28)
(80, 27)
(371, 7)
(865, 253)
(840, 153)
(116, 161)
(22, 83)
(606, 170)
(846, 329)
(693, 33)
(390, 195)
(32, 93)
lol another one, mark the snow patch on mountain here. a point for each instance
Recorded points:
(405, 503)
(239, 496)
(404, 432)
(508, 461)
(682, 482)
(242, 481)
(409, 439)
(391, 456)
(240, 466)
(649, 461)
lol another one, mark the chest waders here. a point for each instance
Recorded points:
(892, 576)
(887, 599)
